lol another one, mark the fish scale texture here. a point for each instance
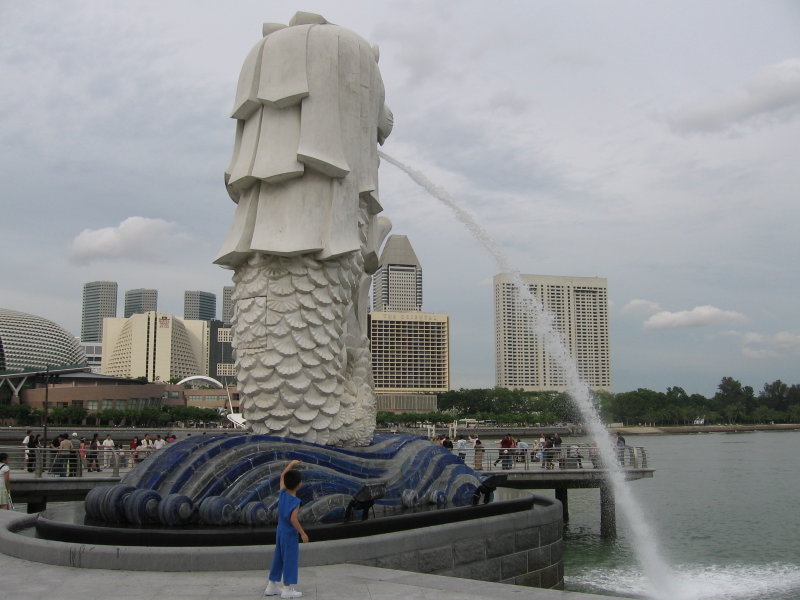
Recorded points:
(303, 364)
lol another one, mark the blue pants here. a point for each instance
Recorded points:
(286, 560)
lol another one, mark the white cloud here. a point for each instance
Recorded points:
(699, 316)
(135, 238)
(639, 306)
(773, 94)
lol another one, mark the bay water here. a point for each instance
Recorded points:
(725, 510)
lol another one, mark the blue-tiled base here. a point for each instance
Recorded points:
(228, 472)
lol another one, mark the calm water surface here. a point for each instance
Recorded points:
(726, 508)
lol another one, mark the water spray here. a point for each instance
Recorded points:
(659, 574)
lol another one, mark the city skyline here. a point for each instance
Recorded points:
(644, 143)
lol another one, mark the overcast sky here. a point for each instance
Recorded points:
(652, 143)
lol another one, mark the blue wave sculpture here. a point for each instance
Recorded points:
(234, 478)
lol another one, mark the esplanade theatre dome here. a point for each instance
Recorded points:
(29, 342)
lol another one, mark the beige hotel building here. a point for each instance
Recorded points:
(579, 306)
(155, 345)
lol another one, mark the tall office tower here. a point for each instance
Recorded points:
(579, 306)
(156, 346)
(410, 352)
(227, 305)
(199, 305)
(397, 284)
(99, 302)
(140, 301)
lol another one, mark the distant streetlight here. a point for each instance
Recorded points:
(46, 400)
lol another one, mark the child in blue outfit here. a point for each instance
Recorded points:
(287, 548)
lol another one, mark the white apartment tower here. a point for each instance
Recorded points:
(579, 306)
(99, 302)
(140, 301)
(397, 284)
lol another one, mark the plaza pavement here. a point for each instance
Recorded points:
(26, 580)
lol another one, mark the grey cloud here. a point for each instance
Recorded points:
(773, 94)
(759, 346)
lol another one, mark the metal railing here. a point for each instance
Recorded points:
(574, 456)
(41, 462)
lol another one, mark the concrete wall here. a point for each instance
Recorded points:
(521, 548)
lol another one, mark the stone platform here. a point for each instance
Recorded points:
(25, 580)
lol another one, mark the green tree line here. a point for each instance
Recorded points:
(732, 404)
(150, 416)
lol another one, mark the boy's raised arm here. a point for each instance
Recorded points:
(288, 468)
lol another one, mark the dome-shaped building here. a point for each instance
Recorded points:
(28, 342)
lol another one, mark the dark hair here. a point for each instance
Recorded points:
(3, 456)
(292, 479)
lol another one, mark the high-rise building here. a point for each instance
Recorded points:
(140, 301)
(397, 284)
(410, 351)
(579, 306)
(199, 305)
(227, 305)
(156, 346)
(99, 302)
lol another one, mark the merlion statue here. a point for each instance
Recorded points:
(309, 114)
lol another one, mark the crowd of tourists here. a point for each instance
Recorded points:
(69, 454)
(548, 451)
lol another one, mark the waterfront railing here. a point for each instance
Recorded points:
(572, 457)
(50, 462)
(78, 462)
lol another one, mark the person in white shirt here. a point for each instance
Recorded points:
(158, 444)
(25, 441)
(461, 447)
(108, 451)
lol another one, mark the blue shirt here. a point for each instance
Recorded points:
(286, 505)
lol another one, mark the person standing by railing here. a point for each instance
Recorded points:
(25, 441)
(108, 451)
(94, 448)
(620, 443)
(5, 482)
(82, 452)
(34, 443)
(134, 446)
(479, 450)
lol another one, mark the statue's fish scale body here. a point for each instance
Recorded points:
(297, 375)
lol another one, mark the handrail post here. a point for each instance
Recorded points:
(38, 460)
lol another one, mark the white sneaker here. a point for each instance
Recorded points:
(272, 589)
(290, 592)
